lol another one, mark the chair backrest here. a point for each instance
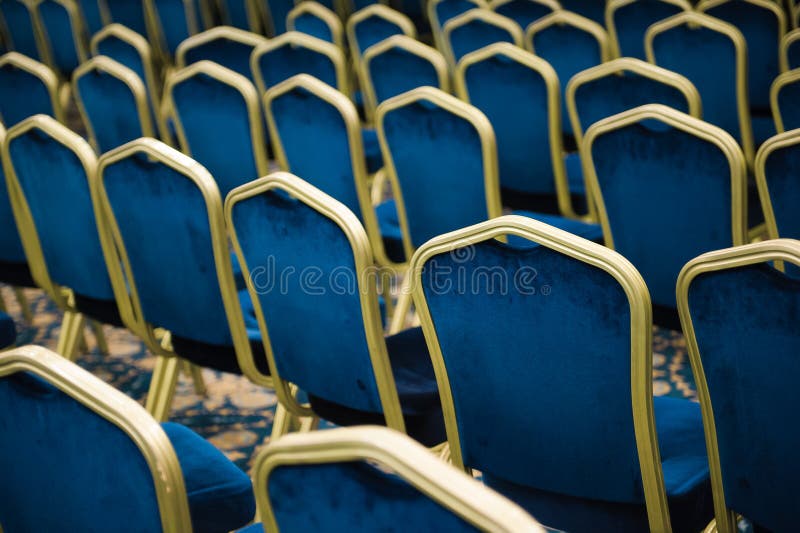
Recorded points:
(441, 158)
(777, 166)
(129, 13)
(281, 223)
(275, 12)
(113, 103)
(92, 16)
(385, 478)
(227, 46)
(63, 36)
(47, 169)
(53, 412)
(668, 187)
(399, 64)
(623, 84)
(11, 250)
(520, 95)
(719, 73)
(18, 27)
(475, 29)
(173, 21)
(441, 11)
(27, 88)
(785, 101)
(591, 9)
(628, 20)
(312, 18)
(524, 12)
(372, 25)
(571, 44)
(790, 51)
(295, 53)
(530, 312)
(737, 312)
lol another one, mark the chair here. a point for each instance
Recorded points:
(218, 122)
(571, 44)
(167, 252)
(734, 308)
(312, 18)
(63, 36)
(385, 479)
(182, 18)
(230, 47)
(560, 310)
(475, 29)
(441, 11)
(719, 73)
(628, 20)
(785, 97)
(129, 13)
(790, 51)
(18, 28)
(590, 9)
(372, 25)
(763, 25)
(694, 197)
(104, 461)
(524, 12)
(27, 88)
(351, 374)
(776, 167)
(241, 14)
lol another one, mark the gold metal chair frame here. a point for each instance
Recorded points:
(611, 8)
(597, 256)
(543, 69)
(380, 11)
(106, 65)
(408, 45)
(227, 77)
(437, 26)
(228, 33)
(122, 412)
(43, 73)
(321, 12)
(778, 251)
(76, 26)
(787, 40)
(563, 17)
(481, 15)
(124, 283)
(694, 20)
(367, 289)
(688, 124)
(554, 5)
(773, 144)
(777, 10)
(465, 497)
(787, 78)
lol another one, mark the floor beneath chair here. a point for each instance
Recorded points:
(235, 415)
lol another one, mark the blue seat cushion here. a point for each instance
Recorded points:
(220, 494)
(416, 386)
(372, 150)
(8, 331)
(685, 465)
(16, 274)
(389, 226)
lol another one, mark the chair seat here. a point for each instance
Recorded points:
(220, 494)
(372, 150)
(416, 387)
(588, 231)
(16, 274)
(389, 226)
(685, 465)
(8, 331)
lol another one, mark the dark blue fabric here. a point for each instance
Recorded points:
(372, 150)
(668, 198)
(19, 25)
(230, 54)
(8, 331)
(216, 125)
(475, 35)
(396, 71)
(763, 126)
(282, 63)
(744, 319)
(22, 94)
(523, 12)
(793, 54)
(173, 23)
(372, 30)
(449, 9)
(591, 9)
(632, 20)
(311, 24)
(129, 13)
(125, 53)
(591, 232)
(278, 10)
(11, 250)
(389, 225)
(236, 14)
(90, 10)
(789, 105)
(56, 187)
(781, 171)
(58, 28)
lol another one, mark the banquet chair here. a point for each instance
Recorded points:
(312, 18)
(372, 25)
(777, 166)
(475, 29)
(667, 187)
(524, 12)
(790, 51)
(441, 11)
(105, 463)
(129, 13)
(166, 250)
(227, 46)
(323, 333)
(628, 20)
(172, 22)
(18, 28)
(63, 36)
(241, 14)
(218, 122)
(560, 311)
(372, 478)
(27, 88)
(785, 101)
(736, 310)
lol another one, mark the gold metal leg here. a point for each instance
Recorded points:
(162, 387)
(309, 423)
(386, 292)
(196, 373)
(99, 336)
(70, 335)
(281, 423)
(24, 306)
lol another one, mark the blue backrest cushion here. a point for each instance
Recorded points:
(475, 35)
(789, 105)
(230, 54)
(22, 95)
(58, 27)
(396, 71)
(632, 20)
(111, 107)
(129, 13)
(282, 63)
(781, 170)
(19, 24)
(311, 24)
(373, 30)
(523, 12)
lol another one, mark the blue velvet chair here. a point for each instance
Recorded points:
(777, 166)
(571, 44)
(113, 103)
(173, 21)
(369, 479)
(628, 20)
(78, 455)
(322, 332)
(543, 355)
(790, 50)
(27, 88)
(475, 29)
(92, 17)
(441, 11)
(166, 249)
(785, 97)
(129, 13)
(667, 187)
(240, 14)
(524, 12)
(737, 310)
(372, 25)
(591, 9)
(218, 122)
(230, 47)
(313, 18)
(18, 28)
(719, 73)
(63, 35)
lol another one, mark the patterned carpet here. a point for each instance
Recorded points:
(235, 415)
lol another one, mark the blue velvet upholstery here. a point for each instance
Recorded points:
(372, 149)
(8, 331)
(632, 20)
(793, 54)
(235, 14)
(278, 10)
(111, 109)
(123, 52)
(523, 12)
(129, 13)
(230, 54)
(216, 125)
(781, 171)
(90, 10)
(282, 63)
(44, 440)
(748, 343)
(516, 324)
(22, 95)
(310, 24)
(173, 22)
(11, 250)
(475, 35)
(373, 30)
(449, 9)
(57, 26)
(591, 9)
(668, 198)
(396, 71)
(19, 27)
(789, 105)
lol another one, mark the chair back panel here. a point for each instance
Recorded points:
(19, 28)
(475, 34)
(397, 70)
(283, 62)
(373, 30)
(63, 34)
(176, 20)
(632, 20)
(90, 11)
(22, 95)
(788, 102)
(448, 9)
(523, 12)
(230, 54)
(311, 24)
(129, 13)
(591, 9)
(793, 52)
(11, 250)
(126, 54)
(781, 169)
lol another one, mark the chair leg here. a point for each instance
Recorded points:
(71, 334)
(281, 423)
(99, 336)
(162, 387)
(196, 373)
(309, 423)
(24, 306)
(404, 301)
(386, 292)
